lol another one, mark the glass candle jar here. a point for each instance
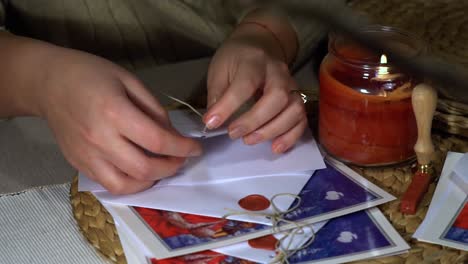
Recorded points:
(365, 111)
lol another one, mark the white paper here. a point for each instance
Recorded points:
(245, 251)
(227, 160)
(190, 124)
(203, 202)
(142, 247)
(226, 173)
(446, 203)
(214, 200)
(460, 173)
(135, 255)
(223, 198)
(398, 246)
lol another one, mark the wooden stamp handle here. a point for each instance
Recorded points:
(424, 99)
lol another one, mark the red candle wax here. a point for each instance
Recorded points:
(365, 111)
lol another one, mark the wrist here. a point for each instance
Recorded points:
(257, 36)
(23, 73)
(278, 28)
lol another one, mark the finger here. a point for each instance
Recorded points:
(290, 117)
(287, 140)
(136, 164)
(274, 100)
(147, 133)
(217, 82)
(115, 181)
(144, 100)
(248, 78)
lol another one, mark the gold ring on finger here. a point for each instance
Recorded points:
(304, 97)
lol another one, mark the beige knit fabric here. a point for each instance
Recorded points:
(138, 34)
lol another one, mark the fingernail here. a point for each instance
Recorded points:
(278, 148)
(237, 132)
(196, 152)
(213, 122)
(253, 138)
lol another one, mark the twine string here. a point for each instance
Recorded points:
(277, 219)
(183, 103)
(193, 109)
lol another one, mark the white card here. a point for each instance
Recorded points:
(227, 160)
(190, 124)
(375, 237)
(330, 193)
(214, 200)
(460, 173)
(448, 203)
(136, 255)
(245, 251)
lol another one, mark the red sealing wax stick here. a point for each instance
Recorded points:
(415, 192)
(424, 100)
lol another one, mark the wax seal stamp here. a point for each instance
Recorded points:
(267, 242)
(254, 202)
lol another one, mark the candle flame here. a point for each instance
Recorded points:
(383, 59)
(383, 70)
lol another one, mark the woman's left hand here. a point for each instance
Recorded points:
(252, 62)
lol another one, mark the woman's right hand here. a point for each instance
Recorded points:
(105, 121)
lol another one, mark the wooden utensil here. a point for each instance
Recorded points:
(424, 100)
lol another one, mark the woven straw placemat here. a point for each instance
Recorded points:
(98, 227)
(443, 25)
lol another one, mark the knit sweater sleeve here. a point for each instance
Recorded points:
(309, 32)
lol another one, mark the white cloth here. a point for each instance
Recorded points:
(37, 226)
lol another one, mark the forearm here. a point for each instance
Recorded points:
(23, 74)
(299, 35)
(281, 34)
(279, 28)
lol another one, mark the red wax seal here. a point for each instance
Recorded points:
(254, 202)
(267, 242)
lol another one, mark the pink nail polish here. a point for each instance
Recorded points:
(237, 132)
(195, 153)
(278, 149)
(253, 138)
(213, 122)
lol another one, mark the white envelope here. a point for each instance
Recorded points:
(190, 124)
(460, 173)
(447, 202)
(245, 251)
(227, 172)
(227, 160)
(135, 251)
(215, 200)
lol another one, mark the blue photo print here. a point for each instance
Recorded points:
(330, 190)
(458, 229)
(180, 230)
(344, 236)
